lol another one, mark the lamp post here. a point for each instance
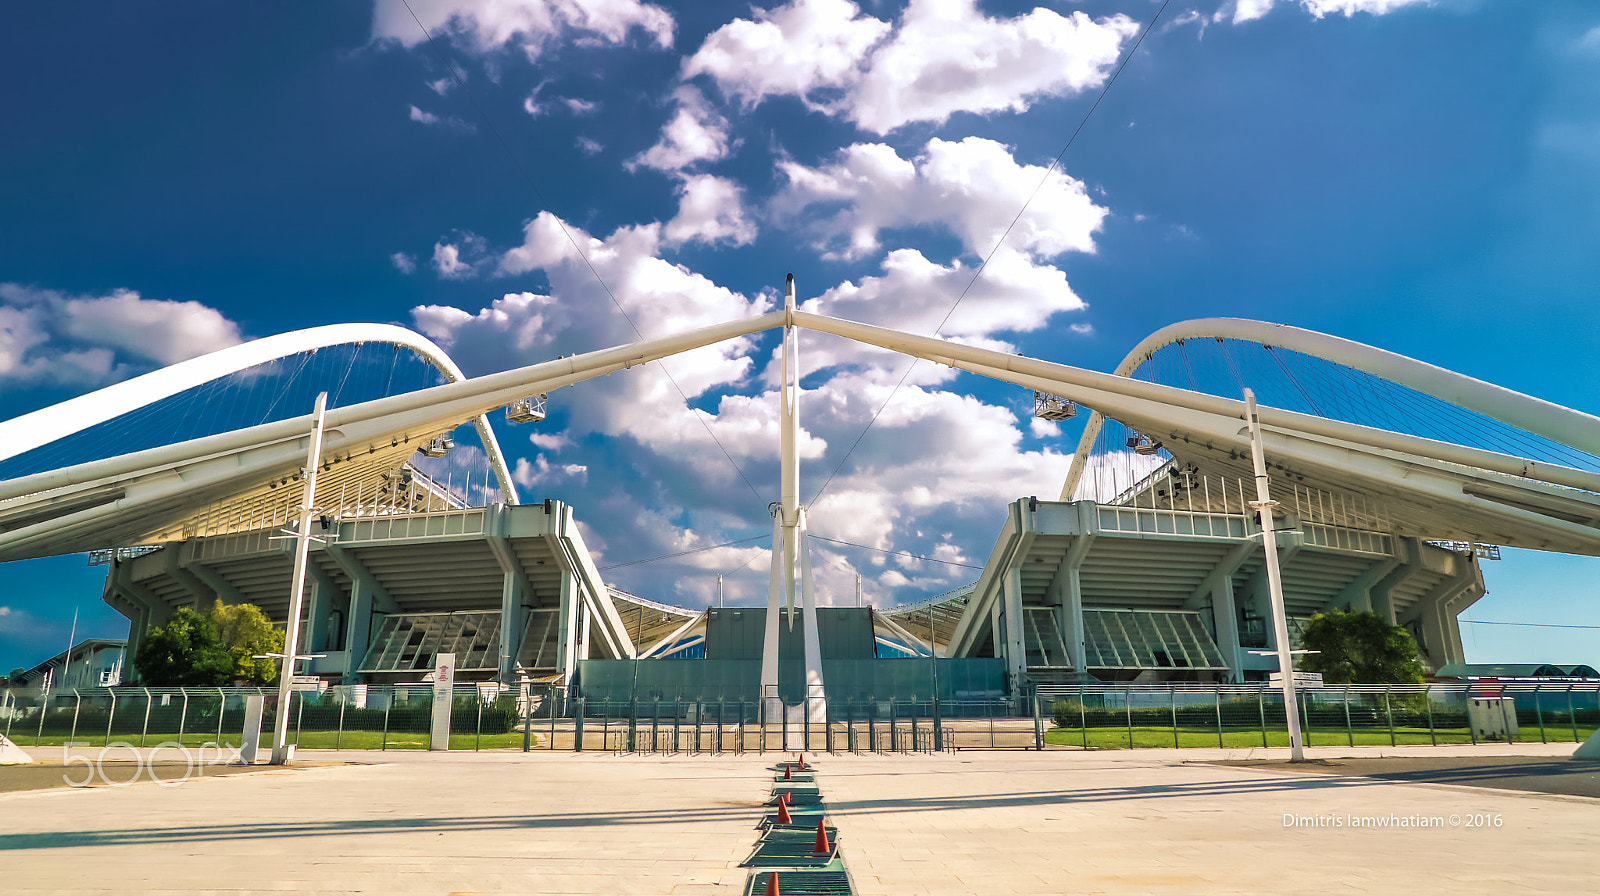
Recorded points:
(1269, 540)
(297, 587)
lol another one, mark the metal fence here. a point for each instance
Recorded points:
(359, 717)
(549, 717)
(1103, 717)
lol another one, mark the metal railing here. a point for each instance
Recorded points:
(552, 717)
(1112, 717)
(359, 717)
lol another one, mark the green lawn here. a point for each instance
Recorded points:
(1146, 737)
(310, 740)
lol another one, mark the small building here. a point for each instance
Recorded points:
(1531, 671)
(91, 663)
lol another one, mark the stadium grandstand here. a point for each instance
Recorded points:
(390, 510)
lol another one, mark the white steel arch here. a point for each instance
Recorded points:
(1535, 415)
(1441, 489)
(47, 425)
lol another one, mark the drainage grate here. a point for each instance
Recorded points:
(802, 883)
(802, 795)
(791, 849)
(807, 826)
(799, 819)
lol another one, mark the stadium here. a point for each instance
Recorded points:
(1148, 565)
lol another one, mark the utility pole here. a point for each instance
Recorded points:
(297, 587)
(72, 638)
(719, 591)
(1280, 623)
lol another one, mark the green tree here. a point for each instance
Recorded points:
(1359, 648)
(246, 633)
(186, 652)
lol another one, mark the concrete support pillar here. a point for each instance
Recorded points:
(1071, 617)
(567, 626)
(222, 587)
(145, 610)
(1450, 632)
(1225, 621)
(1437, 637)
(1407, 557)
(1009, 633)
(1434, 616)
(584, 621)
(320, 609)
(1067, 584)
(1258, 588)
(1357, 595)
(366, 596)
(1260, 604)
(512, 623)
(204, 595)
(357, 629)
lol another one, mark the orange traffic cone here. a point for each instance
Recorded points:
(783, 811)
(822, 839)
(802, 762)
(772, 884)
(786, 776)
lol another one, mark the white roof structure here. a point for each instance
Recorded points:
(232, 481)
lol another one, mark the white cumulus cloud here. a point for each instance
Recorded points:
(531, 24)
(947, 57)
(1248, 10)
(695, 133)
(51, 337)
(710, 210)
(940, 58)
(795, 50)
(973, 187)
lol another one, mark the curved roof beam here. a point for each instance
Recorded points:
(58, 421)
(1445, 481)
(1534, 415)
(171, 482)
(1419, 469)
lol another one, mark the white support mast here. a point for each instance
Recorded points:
(789, 554)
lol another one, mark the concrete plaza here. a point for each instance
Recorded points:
(1119, 822)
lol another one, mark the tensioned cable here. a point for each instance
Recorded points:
(1054, 164)
(745, 565)
(713, 547)
(1523, 624)
(534, 185)
(896, 553)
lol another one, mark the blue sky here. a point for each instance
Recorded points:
(1421, 176)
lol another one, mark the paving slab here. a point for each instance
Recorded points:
(1157, 822)
(1115, 822)
(552, 823)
